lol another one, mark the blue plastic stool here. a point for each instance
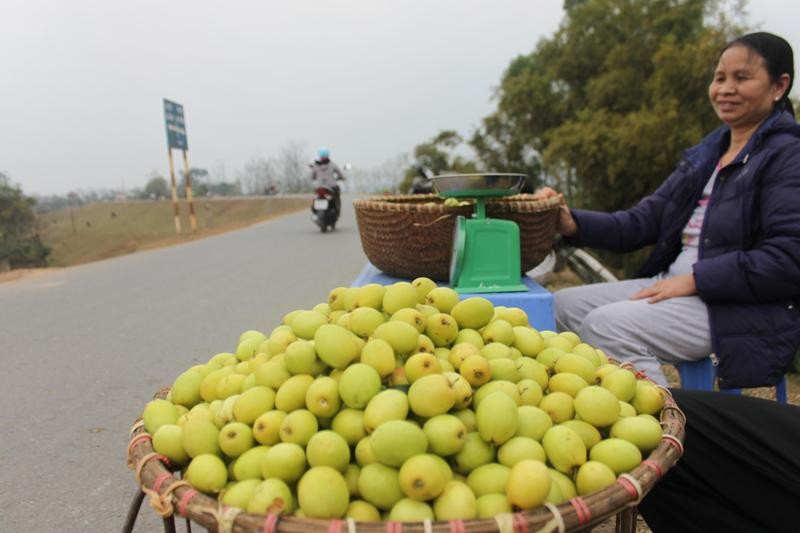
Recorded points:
(701, 374)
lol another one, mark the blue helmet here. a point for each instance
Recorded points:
(324, 153)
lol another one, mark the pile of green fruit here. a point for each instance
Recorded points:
(403, 402)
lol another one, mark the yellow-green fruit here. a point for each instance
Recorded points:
(252, 403)
(335, 345)
(491, 478)
(336, 298)
(528, 341)
(589, 434)
(421, 478)
(167, 442)
(239, 493)
(349, 298)
(431, 395)
(626, 409)
(575, 364)
(530, 393)
(389, 404)
(271, 496)
(351, 473)
(425, 344)
(408, 510)
(642, 431)
(421, 364)
(322, 493)
(474, 453)
(496, 350)
(292, 394)
(549, 356)
(564, 483)
(412, 316)
(507, 387)
(476, 370)
(497, 418)
(587, 352)
(369, 295)
(532, 369)
(252, 333)
(186, 388)
(300, 357)
(364, 320)
(223, 359)
(474, 312)
(513, 315)
(462, 390)
(401, 336)
(498, 331)
(285, 460)
(328, 448)
(459, 353)
(358, 384)
(469, 336)
(398, 296)
(557, 341)
(605, 369)
(157, 413)
(564, 448)
(364, 454)
(504, 370)
(235, 438)
(518, 449)
(305, 323)
(322, 397)
(567, 382)
(446, 434)
(618, 454)
(491, 505)
(200, 437)
(266, 428)
(456, 502)
(648, 399)
(362, 511)
(423, 286)
(426, 310)
(207, 473)
(298, 427)
(528, 484)
(279, 340)
(622, 383)
(248, 465)
(322, 307)
(571, 336)
(272, 374)
(467, 416)
(441, 328)
(230, 385)
(442, 298)
(559, 405)
(597, 405)
(247, 348)
(379, 354)
(593, 476)
(395, 441)
(379, 485)
(555, 496)
(533, 422)
(349, 423)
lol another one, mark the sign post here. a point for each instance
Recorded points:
(176, 138)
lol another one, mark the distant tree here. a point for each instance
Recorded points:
(20, 245)
(156, 188)
(292, 165)
(438, 156)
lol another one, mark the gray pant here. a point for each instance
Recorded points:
(635, 331)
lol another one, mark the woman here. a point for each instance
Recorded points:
(724, 275)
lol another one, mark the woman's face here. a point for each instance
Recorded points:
(741, 92)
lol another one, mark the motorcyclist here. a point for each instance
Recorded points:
(326, 173)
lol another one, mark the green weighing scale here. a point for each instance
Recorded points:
(486, 251)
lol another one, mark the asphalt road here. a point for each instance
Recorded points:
(84, 348)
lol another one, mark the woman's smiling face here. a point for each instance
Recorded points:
(742, 92)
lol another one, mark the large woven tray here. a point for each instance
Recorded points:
(410, 236)
(169, 495)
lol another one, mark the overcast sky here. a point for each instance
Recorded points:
(82, 81)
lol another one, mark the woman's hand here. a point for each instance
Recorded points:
(566, 224)
(668, 288)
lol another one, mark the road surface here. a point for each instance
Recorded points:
(84, 348)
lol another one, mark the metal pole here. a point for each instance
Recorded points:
(188, 183)
(174, 193)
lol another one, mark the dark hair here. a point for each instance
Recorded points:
(778, 59)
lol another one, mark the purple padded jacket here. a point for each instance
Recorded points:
(748, 268)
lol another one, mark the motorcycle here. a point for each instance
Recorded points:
(324, 208)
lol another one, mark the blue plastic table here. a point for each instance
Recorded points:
(537, 301)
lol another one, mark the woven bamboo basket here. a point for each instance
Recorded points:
(169, 495)
(409, 236)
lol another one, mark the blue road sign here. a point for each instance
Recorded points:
(176, 125)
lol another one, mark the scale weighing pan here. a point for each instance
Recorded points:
(486, 251)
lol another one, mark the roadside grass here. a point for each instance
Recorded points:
(101, 230)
